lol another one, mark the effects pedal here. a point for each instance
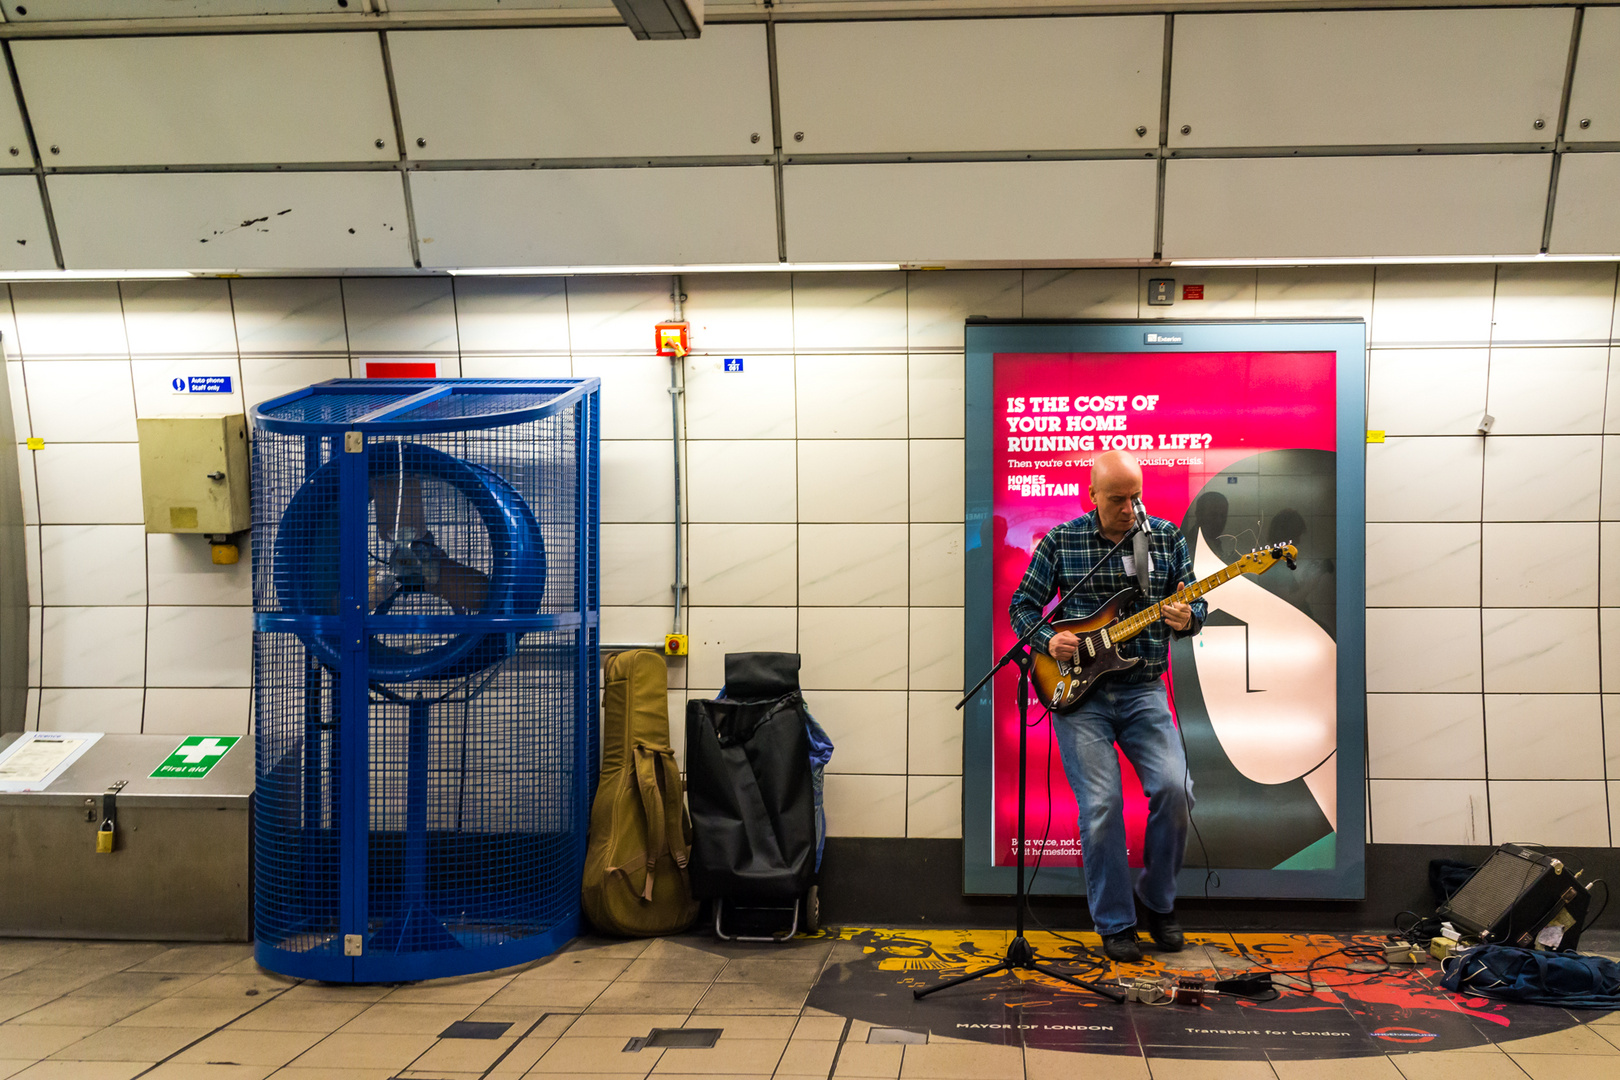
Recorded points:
(1147, 991)
(1403, 952)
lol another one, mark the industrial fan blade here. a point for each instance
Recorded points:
(422, 566)
(465, 589)
(401, 513)
(415, 562)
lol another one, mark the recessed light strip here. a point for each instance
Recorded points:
(706, 268)
(1365, 260)
(91, 275)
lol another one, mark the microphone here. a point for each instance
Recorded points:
(1141, 544)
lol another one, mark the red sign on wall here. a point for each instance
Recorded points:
(1192, 292)
(401, 369)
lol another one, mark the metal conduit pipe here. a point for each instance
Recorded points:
(676, 389)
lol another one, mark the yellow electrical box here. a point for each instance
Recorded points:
(194, 474)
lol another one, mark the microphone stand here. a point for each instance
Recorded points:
(1021, 956)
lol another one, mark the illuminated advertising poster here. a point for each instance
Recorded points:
(1240, 430)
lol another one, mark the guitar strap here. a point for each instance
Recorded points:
(1142, 557)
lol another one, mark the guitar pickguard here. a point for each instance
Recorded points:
(1063, 685)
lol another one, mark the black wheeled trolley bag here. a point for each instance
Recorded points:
(752, 795)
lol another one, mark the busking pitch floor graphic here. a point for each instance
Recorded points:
(1354, 1012)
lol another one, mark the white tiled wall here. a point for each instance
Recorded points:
(823, 490)
(1487, 648)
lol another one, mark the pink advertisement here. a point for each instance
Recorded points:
(1237, 451)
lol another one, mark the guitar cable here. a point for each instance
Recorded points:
(1186, 786)
(1091, 962)
(1212, 879)
(1355, 953)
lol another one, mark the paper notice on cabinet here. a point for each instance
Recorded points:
(33, 761)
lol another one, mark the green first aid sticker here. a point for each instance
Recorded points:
(195, 756)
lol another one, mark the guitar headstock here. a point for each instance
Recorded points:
(1260, 560)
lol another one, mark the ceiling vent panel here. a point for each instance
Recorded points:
(993, 85)
(396, 7)
(38, 11)
(1355, 207)
(25, 239)
(14, 152)
(207, 100)
(581, 93)
(1594, 98)
(950, 212)
(1366, 78)
(596, 217)
(232, 221)
(1586, 217)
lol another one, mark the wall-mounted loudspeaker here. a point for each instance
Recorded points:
(1516, 895)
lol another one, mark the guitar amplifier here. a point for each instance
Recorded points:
(1516, 894)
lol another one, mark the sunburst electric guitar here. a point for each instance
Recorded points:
(1061, 687)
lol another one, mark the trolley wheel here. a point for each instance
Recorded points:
(812, 910)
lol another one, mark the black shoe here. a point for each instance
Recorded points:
(1122, 947)
(1165, 930)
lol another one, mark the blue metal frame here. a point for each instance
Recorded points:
(1347, 339)
(355, 625)
(395, 418)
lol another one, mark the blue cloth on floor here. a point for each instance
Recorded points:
(1569, 979)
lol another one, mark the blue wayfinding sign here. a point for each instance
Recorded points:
(734, 364)
(201, 384)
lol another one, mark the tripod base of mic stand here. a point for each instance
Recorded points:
(1020, 957)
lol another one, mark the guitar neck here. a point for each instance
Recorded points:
(1128, 628)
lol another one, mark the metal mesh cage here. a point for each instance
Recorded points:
(425, 673)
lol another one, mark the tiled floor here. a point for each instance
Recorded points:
(114, 1011)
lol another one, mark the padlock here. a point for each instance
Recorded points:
(107, 835)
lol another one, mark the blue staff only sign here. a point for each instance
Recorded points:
(201, 384)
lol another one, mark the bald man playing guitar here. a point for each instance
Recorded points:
(1129, 710)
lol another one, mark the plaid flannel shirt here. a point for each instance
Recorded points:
(1066, 553)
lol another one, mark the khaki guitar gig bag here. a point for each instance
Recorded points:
(636, 880)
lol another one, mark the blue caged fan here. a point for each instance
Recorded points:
(425, 673)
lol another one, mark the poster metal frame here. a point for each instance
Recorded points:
(1347, 339)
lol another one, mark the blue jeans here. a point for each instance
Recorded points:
(1137, 717)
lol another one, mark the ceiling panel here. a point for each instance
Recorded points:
(397, 6)
(230, 221)
(1586, 217)
(1350, 207)
(34, 11)
(970, 211)
(972, 85)
(596, 217)
(25, 240)
(581, 93)
(13, 136)
(208, 100)
(1363, 78)
(1595, 94)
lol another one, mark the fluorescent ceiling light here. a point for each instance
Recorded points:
(705, 268)
(1364, 260)
(662, 20)
(90, 275)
